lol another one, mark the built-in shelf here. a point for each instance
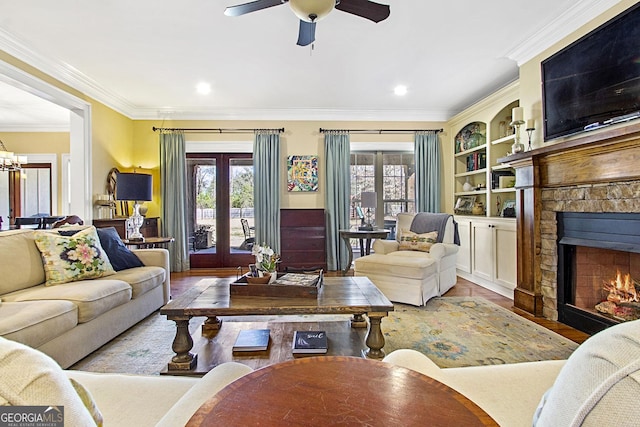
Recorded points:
(501, 167)
(470, 173)
(503, 190)
(505, 139)
(469, 193)
(471, 150)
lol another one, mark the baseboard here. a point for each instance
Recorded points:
(494, 287)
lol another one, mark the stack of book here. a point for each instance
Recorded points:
(309, 342)
(252, 340)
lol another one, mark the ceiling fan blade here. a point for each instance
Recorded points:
(375, 12)
(242, 9)
(307, 33)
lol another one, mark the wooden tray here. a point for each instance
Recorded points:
(242, 287)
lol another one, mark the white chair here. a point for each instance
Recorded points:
(410, 276)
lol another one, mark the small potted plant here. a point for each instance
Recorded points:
(266, 262)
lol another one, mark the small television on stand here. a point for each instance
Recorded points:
(595, 81)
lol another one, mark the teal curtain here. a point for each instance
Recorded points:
(338, 195)
(428, 172)
(173, 188)
(266, 190)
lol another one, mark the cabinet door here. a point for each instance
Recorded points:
(463, 259)
(482, 249)
(505, 255)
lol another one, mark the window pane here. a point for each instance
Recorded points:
(240, 201)
(204, 181)
(398, 184)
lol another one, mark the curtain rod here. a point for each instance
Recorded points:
(215, 130)
(381, 131)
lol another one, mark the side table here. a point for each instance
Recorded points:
(149, 242)
(338, 390)
(362, 235)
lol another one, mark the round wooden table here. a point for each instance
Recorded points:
(332, 390)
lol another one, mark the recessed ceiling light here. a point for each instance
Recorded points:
(203, 88)
(400, 90)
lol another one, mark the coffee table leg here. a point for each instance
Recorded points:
(358, 321)
(184, 360)
(211, 326)
(375, 338)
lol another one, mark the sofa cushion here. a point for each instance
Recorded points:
(20, 261)
(92, 297)
(29, 377)
(35, 322)
(119, 255)
(399, 264)
(141, 279)
(410, 241)
(70, 258)
(597, 382)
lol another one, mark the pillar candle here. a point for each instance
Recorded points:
(531, 124)
(517, 114)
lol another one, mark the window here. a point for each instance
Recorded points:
(391, 175)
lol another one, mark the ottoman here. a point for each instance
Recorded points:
(404, 276)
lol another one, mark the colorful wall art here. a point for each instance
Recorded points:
(302, 173)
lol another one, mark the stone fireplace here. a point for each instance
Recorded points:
(598, 268)
(596, 173)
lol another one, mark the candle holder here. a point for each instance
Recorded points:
(530, 132)
(517, 146)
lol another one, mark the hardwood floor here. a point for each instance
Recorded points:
(183, 281)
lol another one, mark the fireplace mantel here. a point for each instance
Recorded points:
(596, 172)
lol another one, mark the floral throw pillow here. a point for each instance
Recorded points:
(410, 241)
(70, 258)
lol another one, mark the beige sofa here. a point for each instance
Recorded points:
(68, 321)
(410, 276)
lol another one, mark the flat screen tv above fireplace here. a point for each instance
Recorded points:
(595, 81)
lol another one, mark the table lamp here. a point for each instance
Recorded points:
(136, 187)
(368, 200)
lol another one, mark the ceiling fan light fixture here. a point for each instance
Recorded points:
(311, 10)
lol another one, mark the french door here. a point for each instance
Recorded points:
(220, 199)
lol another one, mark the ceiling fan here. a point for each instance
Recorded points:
(311, 11)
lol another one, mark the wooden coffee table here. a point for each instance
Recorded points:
(338, 295)
(322, 391)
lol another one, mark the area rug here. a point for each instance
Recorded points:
(452, 331)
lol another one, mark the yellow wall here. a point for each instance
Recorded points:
(531, 78)
(112, 145)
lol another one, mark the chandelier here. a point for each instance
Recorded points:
(9, 161)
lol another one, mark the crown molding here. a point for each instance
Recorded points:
(63, 72)
(36, 127)
(557, 29)
(292, 114)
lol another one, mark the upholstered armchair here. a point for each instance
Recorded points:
(418, 265)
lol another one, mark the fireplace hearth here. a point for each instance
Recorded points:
(598, 259)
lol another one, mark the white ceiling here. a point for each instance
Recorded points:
(144, 57)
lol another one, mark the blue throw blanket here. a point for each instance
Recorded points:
(425, 222)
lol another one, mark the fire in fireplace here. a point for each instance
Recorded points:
(598, 259)
(622, 298)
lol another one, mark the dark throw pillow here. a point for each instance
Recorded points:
(120, 256)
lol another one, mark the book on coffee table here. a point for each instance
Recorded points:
(309, 342)
(252, 340)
